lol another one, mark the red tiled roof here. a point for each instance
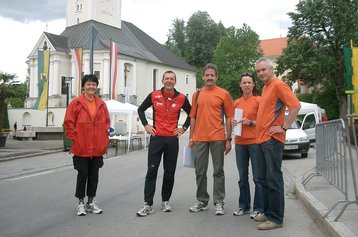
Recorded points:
(273, 47)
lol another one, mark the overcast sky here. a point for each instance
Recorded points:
(23, 21)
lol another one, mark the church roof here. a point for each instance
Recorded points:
(130, 39)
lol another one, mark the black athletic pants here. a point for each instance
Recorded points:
(87, 174)
(158, 146)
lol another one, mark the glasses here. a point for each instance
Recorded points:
(247, 74)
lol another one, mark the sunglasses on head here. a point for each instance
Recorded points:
(247, 74)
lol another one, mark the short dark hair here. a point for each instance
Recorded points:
(210, 66)
(89, 77)
(248, 74)
(175, 76)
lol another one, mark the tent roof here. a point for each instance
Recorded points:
(116, 107)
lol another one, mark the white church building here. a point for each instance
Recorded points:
(140, 65)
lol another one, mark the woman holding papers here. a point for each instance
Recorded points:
(246, 107)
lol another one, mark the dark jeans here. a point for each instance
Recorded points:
(87, 174)
(245, 153)
(269, 156)
(158, 146)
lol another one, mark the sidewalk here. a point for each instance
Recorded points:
(317, 195)
(15, 149)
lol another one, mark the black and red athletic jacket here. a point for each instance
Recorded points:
(165, 113)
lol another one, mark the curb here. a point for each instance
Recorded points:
(317, 210)
(20, 156)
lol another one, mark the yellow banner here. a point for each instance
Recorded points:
(355, 77)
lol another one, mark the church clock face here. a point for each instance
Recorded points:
(107, 7)
(79, 6)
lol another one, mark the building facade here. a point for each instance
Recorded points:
(91, 25)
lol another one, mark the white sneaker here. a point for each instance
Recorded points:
(81, 211)
(145, 210)
(254, 214)
(219, 208)
(240, 211)
(198, 206)
(166, 207)
(93, 207)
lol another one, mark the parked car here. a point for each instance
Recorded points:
(297, 141)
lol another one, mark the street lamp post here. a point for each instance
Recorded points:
(67, 144)
(68, 81)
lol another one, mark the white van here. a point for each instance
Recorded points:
(308, 116)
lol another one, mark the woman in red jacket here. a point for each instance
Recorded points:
(86, 124)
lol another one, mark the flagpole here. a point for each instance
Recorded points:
(92, 39)
(48, 86)
(110, 69)
(91, 51)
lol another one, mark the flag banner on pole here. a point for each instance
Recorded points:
(114, 62)
(93, 36)
(77, 56)
(43, 57)
(355, 77)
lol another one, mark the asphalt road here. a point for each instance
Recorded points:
(37, 199)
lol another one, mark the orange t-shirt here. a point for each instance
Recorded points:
(208, 121)
(91, 107)
(276, 96)
(249, 106)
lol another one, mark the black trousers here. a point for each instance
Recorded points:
(88, 169)
(158, 146)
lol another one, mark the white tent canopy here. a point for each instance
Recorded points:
(115, 107)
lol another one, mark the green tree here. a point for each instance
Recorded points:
(177, 38)
(6, 91)
(196, 41)
(20, 90)
(323, 98)
(202, 35)
(314, 53)
(236, 53)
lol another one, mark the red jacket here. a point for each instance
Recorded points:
(89, 137)
(165, 117)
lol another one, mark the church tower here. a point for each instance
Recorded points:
(105, 11)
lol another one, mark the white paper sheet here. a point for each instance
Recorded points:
(238, 117)
(188, 158)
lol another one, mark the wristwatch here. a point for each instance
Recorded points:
(283, 128)
(251, 123)
(185, 128)
(229, 139)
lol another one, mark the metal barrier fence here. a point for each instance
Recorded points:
(336, 144)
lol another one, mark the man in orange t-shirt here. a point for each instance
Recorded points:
(271, 131)
(208, 132)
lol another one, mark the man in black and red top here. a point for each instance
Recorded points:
(167, 103)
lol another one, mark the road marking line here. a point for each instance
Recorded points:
(33, 175)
